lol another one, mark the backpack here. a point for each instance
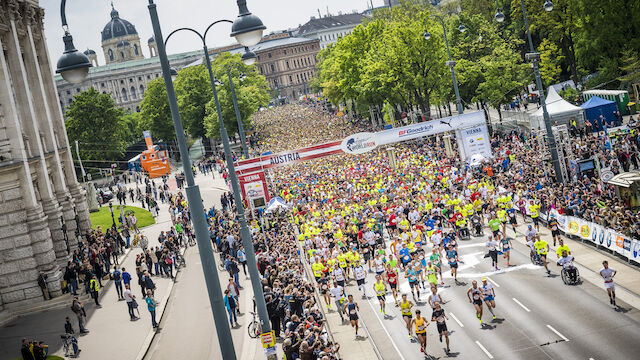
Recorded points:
(169, 261)
(116, 276)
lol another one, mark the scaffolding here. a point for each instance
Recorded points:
(563, 145)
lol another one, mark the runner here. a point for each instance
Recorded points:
(562, 248)
(607, 274)
(324, 290)
(439, 317)
(492, 246)
(392, 279)
(475, 297)
(489, 295)
(431, 275)
(452, 257)
(379, 289)
(435, 260)
(338, 275)
(360, 273)
(511, 213)
(405, 309)
(506, 249)
(337, 292)
(421, 331)
(412, 276)
(555, 231)
(542, 247)
(434, 298)
(352, 309)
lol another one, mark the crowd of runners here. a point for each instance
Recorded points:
(360, 214)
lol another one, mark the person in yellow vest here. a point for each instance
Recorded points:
(380, 290)
(94, 287)
(421, 331)
(534, 211)
(317, 268)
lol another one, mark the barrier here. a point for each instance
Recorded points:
(597, 234)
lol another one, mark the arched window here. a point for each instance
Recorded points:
(122, 54)
(141, 90)
(133, 93)
(124, 94)
(135, 49)
(110, 53)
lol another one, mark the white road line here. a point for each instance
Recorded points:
(521, 305)
(385, 329)
(493, 282)
(485, 350)
(591, 359)
(557, 333)
(456, 319)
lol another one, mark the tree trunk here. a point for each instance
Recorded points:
(449, 105)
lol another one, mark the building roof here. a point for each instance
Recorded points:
(123, 43)
(605, 92)
(151, 39)
(94, 70)
(117, 27)
(89, 52)
(329, 22)
(266, 45)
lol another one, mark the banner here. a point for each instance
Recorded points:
(597, 234)
(287, 157)
(475, 140)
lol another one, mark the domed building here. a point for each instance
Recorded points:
(120, 40)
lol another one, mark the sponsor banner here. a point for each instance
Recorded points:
(254, 186)
(476, 140)
(287, 157)
(635, 250)
(359, 143)
(430, 128)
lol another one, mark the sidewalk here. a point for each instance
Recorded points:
(111, 331)
(588, 260)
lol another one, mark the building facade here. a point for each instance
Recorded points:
(39, 192)
(330, 28)
(127, 72)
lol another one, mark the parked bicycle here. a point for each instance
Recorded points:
(254, 326)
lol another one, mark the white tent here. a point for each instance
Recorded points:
(560, 111)
(275, 204)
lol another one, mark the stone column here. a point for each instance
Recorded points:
(45, 230)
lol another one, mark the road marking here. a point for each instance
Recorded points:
(485, 350)
(557, 333)
(521, 305)
(375, 314)
(493, 282)
(456, 319)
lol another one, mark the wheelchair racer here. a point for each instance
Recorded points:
(566, 261)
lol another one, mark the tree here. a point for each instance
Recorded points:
(155, 112)
(132, 126)
(252, 93)
(95, 122)
(630, 68)
(550, 61)
(193, 91)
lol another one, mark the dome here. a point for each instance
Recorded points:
(151, 40)
(89, 52)
(117, 27)
(123, 43)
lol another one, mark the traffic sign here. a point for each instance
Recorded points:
(268, 339)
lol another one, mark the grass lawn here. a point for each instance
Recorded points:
(102, 217)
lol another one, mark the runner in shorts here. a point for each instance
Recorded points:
(379, 288)
(352, 309)
(421, 330)
(475, 297)
(392, 279)
(405, 309)
(439, 317)
(607, 274)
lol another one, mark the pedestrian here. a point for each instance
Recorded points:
(149, 285)
(116, 276)
(131, 302)
(94, 288)
(71, 276)
(230, 303)
(25, 350)
(40, 350)
(42, 282)
(151, 306)
(235, 292)
(242, 258)
(78, 308)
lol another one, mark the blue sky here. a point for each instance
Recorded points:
(87, 18)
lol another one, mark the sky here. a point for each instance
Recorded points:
(87, 18)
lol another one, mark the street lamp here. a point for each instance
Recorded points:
(73, 65)
(248, 31)
(534, 57)
(113, 219)
(450, 63)
(249, 57)
(174, 73)
(243, 139)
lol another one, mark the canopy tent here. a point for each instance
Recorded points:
(596, 106)
(275, 204)
(625, 179)
(560, 111)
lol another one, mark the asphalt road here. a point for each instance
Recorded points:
(538, 316)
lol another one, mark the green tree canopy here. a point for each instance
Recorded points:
(99, 127)
(155, 112)
(252, 93)
(193, 90)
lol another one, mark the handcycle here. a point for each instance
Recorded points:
(535, 258)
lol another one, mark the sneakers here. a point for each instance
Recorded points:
(440, 338)
(494, 317)
(611, 300)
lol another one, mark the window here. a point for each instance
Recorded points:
(102, 85)
(133, 93)
(78, 90)
(290, 79)
(110, 53)
(130, 80)
(269, 55)
(148, 77)
(135, 49)
(287, 63)
(68, 92)
(285, 51)
(124, 94)
(139, 78)
(121, 81)
(141, 90)
(157, 75)
(122, 54)
(273, 69)
(70, 101)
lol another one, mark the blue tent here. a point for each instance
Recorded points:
(596, 106)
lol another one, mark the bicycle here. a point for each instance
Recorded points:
(180, 260)
(68, 342)
(254, 327)
(191, 240)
